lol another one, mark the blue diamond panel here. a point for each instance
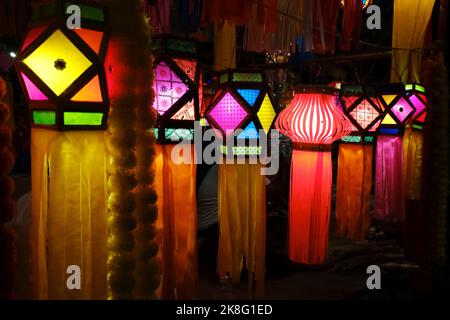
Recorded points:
(250, 132)
(250, 95)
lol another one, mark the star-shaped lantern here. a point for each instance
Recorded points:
(62, 69)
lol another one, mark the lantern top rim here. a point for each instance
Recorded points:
(322, 89)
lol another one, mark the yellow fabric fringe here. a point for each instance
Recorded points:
(177, 224)
(412, 163)
(68, 212)
(242, 223)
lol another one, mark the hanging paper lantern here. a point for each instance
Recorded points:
(241, 111)
(389, 183)
(177, 84)
(243, 102)
(63, 78)
(360, 104)
(313, 122)
(178, 88)
(61, 69)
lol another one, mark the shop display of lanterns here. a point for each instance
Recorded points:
(62, 70)
(178, 88)
(243, 102)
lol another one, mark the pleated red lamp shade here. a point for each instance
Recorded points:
(313, 121)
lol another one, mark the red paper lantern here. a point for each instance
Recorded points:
(313, 122)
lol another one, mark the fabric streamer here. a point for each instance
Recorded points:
(309, 206)
(68, 223)
(258, 37)
(242, 221)
(389, 188)
(224, 45)
(354, 181)
(412, 164)
(351, 24)
(324, 23)
(408, 38)
(177, 223)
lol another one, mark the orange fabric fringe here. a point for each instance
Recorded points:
(309, 206)
(354, 183)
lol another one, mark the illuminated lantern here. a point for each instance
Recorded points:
(177, 84)
(389, 186)
(63, 78)
(242, 102)
(241, 113)
(178, 88)
(313, 122)
(62, 71)
(360, 104)
(413, 141)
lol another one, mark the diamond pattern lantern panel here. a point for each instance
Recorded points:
(168, 88)
(62, 70)
(417, 97)
(365, 114)
(228, 113)
(57, 62)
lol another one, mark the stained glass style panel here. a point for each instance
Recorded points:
(228, 113)
(266, 113)
(364, 113)
(83, 118)
(250, 132)
(250, 95)
(188, 67)
(168, 88)
(44, 117)
(57, 62)
(90, 92)
(33, 92)
(178, 134)
(92, 37)
(187, 112)
(402, 109)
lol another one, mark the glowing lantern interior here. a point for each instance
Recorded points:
(266, 113)
(33, 92)
(92, 37)
(228, 113)
(249, 95)
(90, 92)
(44, 62)
(168, 88)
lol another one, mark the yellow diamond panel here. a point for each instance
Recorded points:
(266, 113)
(57, 62)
